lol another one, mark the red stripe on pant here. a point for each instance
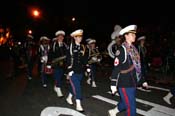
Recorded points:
(127, 102)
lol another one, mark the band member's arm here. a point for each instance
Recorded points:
(49, 55)
(109, 48)
(39, 51)
(52, 54)
(118, 61)
(85, 56)
(142, 82)
(69, 59)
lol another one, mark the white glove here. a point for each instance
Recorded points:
(44, 59)
(71, 73)
(145, 84)
(113, 89)
(99, 60)
(94, 58)
(69, 67)
(67, 77)
(88, 70)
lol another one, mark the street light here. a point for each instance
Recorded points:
(30, 31)
(35, 13)
(73, 19)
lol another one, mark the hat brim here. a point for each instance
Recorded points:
(132, 31)
(128, 29)
(141, 38)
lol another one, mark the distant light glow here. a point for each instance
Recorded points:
(36, 13)
(30, 31)
(73, 19)
(19, 43)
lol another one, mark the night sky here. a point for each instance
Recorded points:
(97, 19)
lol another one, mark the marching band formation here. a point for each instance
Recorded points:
(76, 60)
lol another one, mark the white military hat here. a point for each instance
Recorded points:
(59, 32)
(117, 29)
(30, 36)
(44, 38)
(141, 38)
(77, 32)
(91, 41)
(128, 29)
(87, 40)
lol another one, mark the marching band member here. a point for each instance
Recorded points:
(94, 58)
(115, 43)
(29, 55)
(143, 52)
(44, 49)
(59, 50)
(126, 73)
(76, 59)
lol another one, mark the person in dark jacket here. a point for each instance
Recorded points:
(143, 53)
(44, 49)
(126, 73)
(29, 55)
(76, 60)
(59, 50)
(94, 58)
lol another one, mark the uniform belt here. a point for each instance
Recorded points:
(127, 70)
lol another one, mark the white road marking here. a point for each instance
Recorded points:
(159, 88)
(113, 102)
(56, 111)
(154, 87)
(145, 90)
(159, 109)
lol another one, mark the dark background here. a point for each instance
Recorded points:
(97, 18)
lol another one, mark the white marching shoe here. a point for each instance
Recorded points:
(29, 77)
(93, 84)
(168, 97)
(78, 106)
(89, 81)
(58, 91)
(113, 112)
(44, 85)
(69, 99)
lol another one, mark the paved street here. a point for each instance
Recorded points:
(21, 97)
